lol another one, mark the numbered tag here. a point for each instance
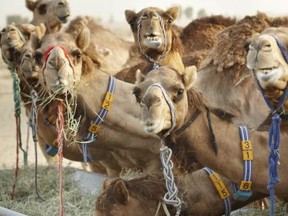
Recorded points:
(246, 185)
(108, 100)
(247, 152)
(94, 128)
(219, 185)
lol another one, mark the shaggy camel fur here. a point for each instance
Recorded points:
(53, 13)
(143, 194)
(224, 77)
(110, 51)
(225, 156)
(268, 63)
(156, 39)
(63, 61)
(199, 36)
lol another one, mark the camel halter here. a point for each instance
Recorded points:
(154, 61)
(46, 57)
(274, 133)
(171, 197)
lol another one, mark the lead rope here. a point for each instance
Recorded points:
(154, 61)
(60, 128)
(171, 197)
(274, 135)
(33, 125)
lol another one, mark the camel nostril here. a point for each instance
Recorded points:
(28, 56)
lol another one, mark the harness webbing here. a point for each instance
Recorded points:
(91, 135)
(220, 188)
(244, 191)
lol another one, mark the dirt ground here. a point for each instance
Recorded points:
(8, 129)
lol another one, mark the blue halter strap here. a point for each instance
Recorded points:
(91, 136)
(220, 188)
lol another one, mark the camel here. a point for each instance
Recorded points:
(53, 13)
(268, 63)
(144, 194)
(200, 35)
(215, 143)
(68, 71)
(224, 77)
(156, 39)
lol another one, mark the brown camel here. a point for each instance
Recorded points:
(224, 77)
(62, 57)
(53, 13)
(144, 194)
(200, 35)
(268, 63)
(156, 39)
(224, 156)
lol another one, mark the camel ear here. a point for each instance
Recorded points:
(83, 39)
(121, 192)
(189, 76)
(129, 14)
(139, 77)
(26, 29)
(31, 5)
(172, 13)
(106, 183)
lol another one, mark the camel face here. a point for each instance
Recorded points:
(61, 63)
(50, 12)
(11, 40)
(156, 114)
(151, 28)
(266, 59)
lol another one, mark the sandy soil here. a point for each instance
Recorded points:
(8, 129)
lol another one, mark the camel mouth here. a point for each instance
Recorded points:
(153, 40)
(153, 127)
(64, 19)
(269, 74)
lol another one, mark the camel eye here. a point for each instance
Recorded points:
(37, 57)
(77, 54)
(170, 20)
(42, 9)
(179, 93)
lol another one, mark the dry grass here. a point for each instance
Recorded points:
(76, 202)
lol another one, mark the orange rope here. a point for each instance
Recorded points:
(60, 126)
(17, 159)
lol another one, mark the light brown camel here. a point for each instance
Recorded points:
(112, 51)
(225, 154)
(144, 194)
(268, 63)
(53, 13)
(200, 35)
(224, 77)
(156, 39)
(63, 61)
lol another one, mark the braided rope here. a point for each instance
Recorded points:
(33, 125)
(60, 130)
(154, 61)
(171, 197)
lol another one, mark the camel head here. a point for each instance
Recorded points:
(50, 12)
(152, 29)
(12, 39)
(124, 197)
(268, 62)
(60, 60)
(158, 85)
